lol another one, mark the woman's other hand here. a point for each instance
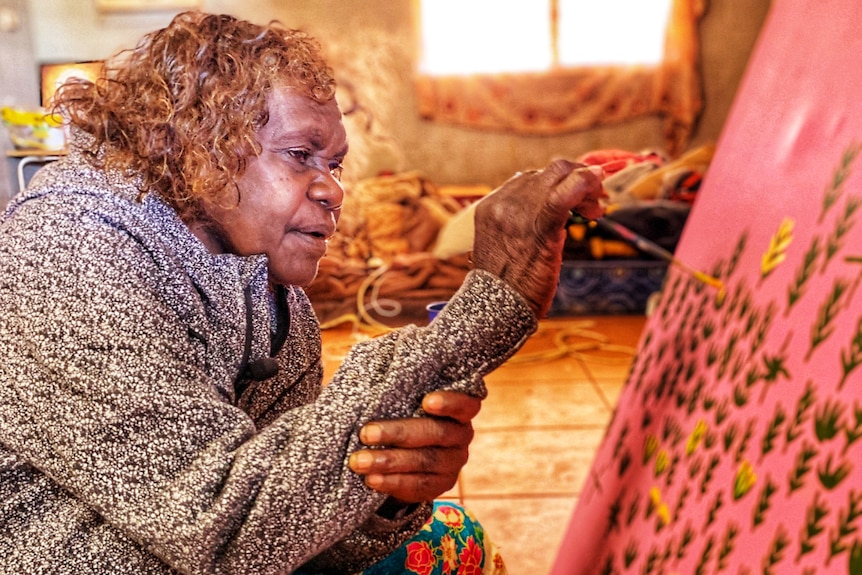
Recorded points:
(419, 458)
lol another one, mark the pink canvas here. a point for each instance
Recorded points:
(736, 446)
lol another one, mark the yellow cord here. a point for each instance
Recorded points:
(587, 347)
(564, 347)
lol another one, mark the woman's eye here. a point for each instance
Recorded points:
(300, 155)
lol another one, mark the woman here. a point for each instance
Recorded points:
(160, 389)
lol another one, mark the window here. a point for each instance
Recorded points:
(550, 66)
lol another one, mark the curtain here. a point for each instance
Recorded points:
(575, 99)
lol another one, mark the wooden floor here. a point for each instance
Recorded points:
(538, 430)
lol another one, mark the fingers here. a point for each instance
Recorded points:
(589, 205)
(419, 458)
(572, 187)
(412, 488)
(431, 460)
(408, 474)
(417, 432)
(452, 404)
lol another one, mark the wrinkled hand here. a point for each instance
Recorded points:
(419, 458)
(520, 227)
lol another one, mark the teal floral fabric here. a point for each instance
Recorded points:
(452, 542)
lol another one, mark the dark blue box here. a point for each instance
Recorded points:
(606, 286)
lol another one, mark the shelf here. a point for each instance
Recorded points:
(39, 153)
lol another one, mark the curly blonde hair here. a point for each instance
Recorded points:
(181, 108)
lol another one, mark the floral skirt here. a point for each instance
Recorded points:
(452, 542)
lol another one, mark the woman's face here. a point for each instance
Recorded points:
(290, 195)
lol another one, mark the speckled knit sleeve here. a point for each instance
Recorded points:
(122, 449)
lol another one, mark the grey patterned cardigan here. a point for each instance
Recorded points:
(130, 440)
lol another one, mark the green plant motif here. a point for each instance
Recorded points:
(633, 509)
(852, 356)
(608, 566)
(764, 501)
(776, 551)
(763, 328)
(707, 328)
(671, 470)
(740, 395)
(625, 460)
(753, 320)
(773, 430)
(652, 561)
(686, 539)
(743, 443)
(752, 376)
(681, 398)
(814, 516)
(707, 475)
(729, 437)
(838, 540)
(727, 545)
(630, 554)
(614, 515)
(728, 355)
(842, 226)
(806, 270)
(671, 431)
(717, 504)
(745, 306)
(694, 467)
(721, 412)
(854, 433)
(828, 420)
(712, 354)
(680, 504)
(737, 253)
(854, 566)
(836, 187)
(694, 398)
(831, 478)
(708, 402)
(803, 406)
(802, 467)
(824, 326)
(705, 556)
(774, 367)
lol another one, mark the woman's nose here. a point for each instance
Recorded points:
(327, 190)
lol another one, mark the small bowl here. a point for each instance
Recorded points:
(434, 308)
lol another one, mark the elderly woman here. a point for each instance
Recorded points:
(161, 408)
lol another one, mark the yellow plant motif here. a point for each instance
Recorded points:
(744, 481)
(662, 511)
(663, 514)
(650, 446)
(661, 462)
(778, 245)
(696, 437)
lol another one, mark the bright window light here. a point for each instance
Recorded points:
(485, 36)
(612, 31)
(490, 36)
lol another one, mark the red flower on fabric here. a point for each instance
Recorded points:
(471, 558)
(420, 558)
(451, 517)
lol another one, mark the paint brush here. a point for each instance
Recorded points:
(656, 250)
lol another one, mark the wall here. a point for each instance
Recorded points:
(18, 80)
(372, 47)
